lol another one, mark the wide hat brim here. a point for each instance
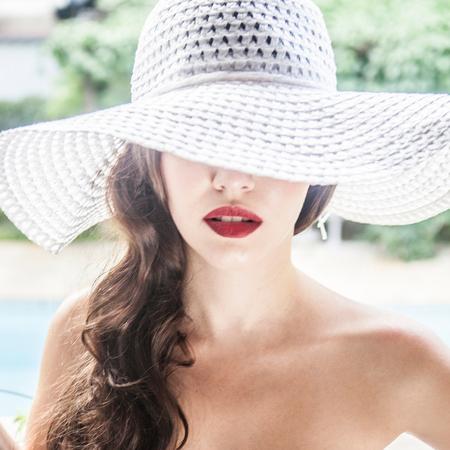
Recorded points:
(388, 153)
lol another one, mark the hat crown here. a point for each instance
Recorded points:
(184, 42)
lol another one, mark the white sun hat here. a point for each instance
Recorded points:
(248, 85)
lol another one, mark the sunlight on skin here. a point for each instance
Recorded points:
(239, 284)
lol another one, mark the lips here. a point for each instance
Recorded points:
(233, 210)
(232, 229)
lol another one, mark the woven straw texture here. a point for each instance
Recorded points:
(244, 85)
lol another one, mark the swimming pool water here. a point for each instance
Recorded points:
(23, 328)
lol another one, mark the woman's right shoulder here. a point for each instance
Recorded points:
(63, 346)
(68, 322)
(73, 306)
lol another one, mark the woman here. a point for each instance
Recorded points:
(204, 335)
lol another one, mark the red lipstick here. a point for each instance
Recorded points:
(232, 229)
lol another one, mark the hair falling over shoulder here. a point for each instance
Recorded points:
(117, 395)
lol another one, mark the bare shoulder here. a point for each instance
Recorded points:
(69, 319)
(63, 341)
(398, 369)
(71, 316)
(393, 338)
(414, 363)
(366, 324)
(405, 369)
(62, 348)
(74, 305)
(381, 345)
(392, 341)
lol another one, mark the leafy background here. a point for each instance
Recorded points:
(388, 45)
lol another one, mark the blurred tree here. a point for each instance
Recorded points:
(72, 8)
(409, 242)
(22, 112)
(96, 57)
(390, 45)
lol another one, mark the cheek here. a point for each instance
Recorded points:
(297, 195)
(179, 178)
(287, 200)
(184, 183)
(289, 196)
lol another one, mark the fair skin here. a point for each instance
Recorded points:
(239, 287)
(281, 360)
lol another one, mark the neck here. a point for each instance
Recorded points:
(241, 303)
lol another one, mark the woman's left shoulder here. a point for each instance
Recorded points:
(409, 364)
(399, 339)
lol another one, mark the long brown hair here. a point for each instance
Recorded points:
(117, 396)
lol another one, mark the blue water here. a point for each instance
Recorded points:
(23, 328)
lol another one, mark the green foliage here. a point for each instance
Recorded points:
(8, 231)
(409, 242)
(20, 113)
(20, 421)
(96, 57)
(390, 45)
(67, 98)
